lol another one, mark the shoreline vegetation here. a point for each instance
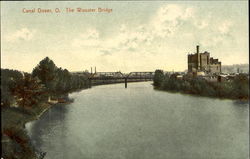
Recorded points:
(26, 97)
(235, 89)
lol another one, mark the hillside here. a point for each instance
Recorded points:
(243, 68)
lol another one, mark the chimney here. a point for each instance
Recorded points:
(91, 70)
(95, 69)
(198, 58)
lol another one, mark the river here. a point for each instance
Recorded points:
(111, 122)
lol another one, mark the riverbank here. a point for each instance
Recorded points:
(26, 96)
(240, 100)
(15, 141)
(235, 89)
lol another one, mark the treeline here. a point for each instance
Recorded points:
(236, 68)
(27, 89)
(238, 88)
(57, 80)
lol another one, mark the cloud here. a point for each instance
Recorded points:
(164, 23)
(90, 38)
(201, 21)
(219, 34)
(224, 28)
(124, 40)
(133, 39)
(23, 34)
(170, 26)
(201, 24)
(168, 19)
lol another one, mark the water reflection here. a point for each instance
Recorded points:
(52, 119)
(111, 122)
(241, 103)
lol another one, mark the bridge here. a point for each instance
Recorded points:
(120, 77)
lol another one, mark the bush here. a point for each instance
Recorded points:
(158, 78)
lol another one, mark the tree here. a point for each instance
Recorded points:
(46, 71)
(62, 84)
(158, 78)
(27, 91)
(241, 86)
(7, 81)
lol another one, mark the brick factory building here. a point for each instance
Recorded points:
(202, 62)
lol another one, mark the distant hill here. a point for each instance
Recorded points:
(243, 68)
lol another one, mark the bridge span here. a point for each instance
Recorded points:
(120, 77)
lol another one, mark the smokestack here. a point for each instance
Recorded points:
(91, 70)
(198, 57)
(95, 69)
(197, 49)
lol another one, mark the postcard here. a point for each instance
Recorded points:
(125, 79)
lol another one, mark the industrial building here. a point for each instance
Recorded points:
(202, 62)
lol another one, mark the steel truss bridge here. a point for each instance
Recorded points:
(122, 77)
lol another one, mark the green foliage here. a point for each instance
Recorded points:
(238, 88)
(7, 82)
(241, 86)
(46, 79)
(46, 71)
(158, 78)
(57, 80)
(27, 91)
(63, 79)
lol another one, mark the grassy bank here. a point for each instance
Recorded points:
(16, 143)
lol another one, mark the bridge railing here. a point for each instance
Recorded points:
(119, 75)
(135, 76)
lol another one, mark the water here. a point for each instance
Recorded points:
(111, 122)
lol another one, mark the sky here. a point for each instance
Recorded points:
(135, 36)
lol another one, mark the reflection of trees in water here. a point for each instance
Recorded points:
(54, 117)
(242, 103)
(240, 112)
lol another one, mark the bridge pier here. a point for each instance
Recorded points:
(115, 77)
(89, 83)
(126, 82)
